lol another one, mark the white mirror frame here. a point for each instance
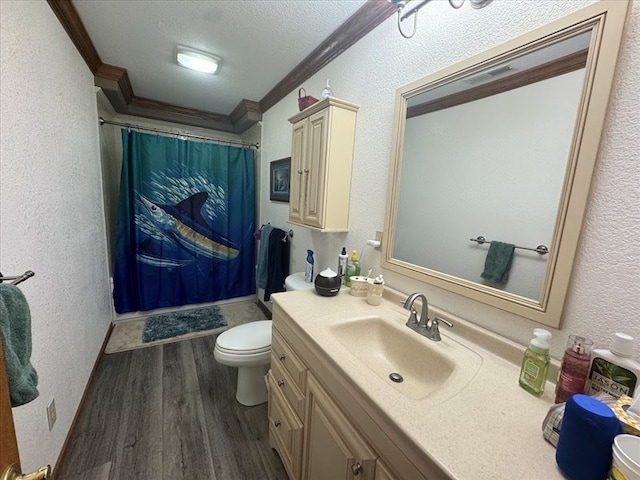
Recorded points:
(606, 19)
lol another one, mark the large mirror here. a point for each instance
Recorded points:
(492, 164)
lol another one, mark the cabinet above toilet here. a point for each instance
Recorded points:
(321, 160)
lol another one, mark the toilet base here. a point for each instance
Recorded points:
(252, 389)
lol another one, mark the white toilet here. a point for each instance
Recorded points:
(247, 347)
(296, 281)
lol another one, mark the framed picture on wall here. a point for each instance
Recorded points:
(279, 182)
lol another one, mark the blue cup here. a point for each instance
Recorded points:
(586, 437)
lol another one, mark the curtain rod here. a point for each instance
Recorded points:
(102, 121)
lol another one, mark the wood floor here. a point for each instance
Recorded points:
(169, 412)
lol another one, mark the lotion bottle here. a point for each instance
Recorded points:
(343, 260)
(574, 369)
(535, 363)
(614, 371)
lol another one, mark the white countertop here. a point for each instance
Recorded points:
(490, 429)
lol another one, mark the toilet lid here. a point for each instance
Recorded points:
(246, 337)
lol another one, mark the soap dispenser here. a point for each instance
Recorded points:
(535, 364)
(353, 268)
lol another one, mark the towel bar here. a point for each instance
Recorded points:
(17, 279)
(541, 249)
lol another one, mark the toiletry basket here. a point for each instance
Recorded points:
(305, 100)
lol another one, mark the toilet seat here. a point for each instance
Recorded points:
(255, 351)
(246, 339)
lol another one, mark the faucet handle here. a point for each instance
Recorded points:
(413, 318)
(438, 320)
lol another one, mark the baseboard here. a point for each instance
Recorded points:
(264, 308)
(61, 457)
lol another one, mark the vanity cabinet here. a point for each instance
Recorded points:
(287, 384)
(335, 449)
(314, 436)
(321, 159)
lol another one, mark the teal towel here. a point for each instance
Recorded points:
(15, 333)
(263, 250)
(498, 262)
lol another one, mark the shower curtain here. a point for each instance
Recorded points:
(185, 223)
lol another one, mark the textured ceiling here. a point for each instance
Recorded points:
(259, 43)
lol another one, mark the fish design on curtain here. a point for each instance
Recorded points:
(185, 223)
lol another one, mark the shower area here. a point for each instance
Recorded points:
(180, 210)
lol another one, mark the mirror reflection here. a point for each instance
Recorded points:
(503, 145)
(486, 155)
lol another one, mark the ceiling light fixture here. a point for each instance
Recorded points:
(197, 60)
(402, 16)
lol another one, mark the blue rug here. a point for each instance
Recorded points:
(168, 325)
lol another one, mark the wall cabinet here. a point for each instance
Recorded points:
(321, 159)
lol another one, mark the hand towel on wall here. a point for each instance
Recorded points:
(263, 256)
(498, 262)
(277, 264)
(15, 333)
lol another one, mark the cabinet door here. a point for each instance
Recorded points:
(333, 448)
(383, 473)
(298, 154)
(314, 172)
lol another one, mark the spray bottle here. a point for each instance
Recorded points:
(308, 267)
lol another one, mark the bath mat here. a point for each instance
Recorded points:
(168, 325)
(127, 334)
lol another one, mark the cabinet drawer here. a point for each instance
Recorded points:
(288, 388)
(285, 430)
(283, 355)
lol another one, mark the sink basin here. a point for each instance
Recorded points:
(427, 368)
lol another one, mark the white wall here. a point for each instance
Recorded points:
(605, 289)
(51, 212)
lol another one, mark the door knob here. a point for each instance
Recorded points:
(356, 469)
(12, 472)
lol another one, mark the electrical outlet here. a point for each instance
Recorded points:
(51, 414)
(379, 237)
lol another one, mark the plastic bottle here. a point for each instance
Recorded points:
(353, 268)
(574, 369)
(614, 371)
(535, 363)
(343, 260)
(308, 267)
(326, 91)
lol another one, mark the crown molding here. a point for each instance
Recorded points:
(117, 87)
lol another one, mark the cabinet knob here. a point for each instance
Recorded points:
(299, 172)
(356, 468)
(277, 423)
(306, 170)
(282, 357)
(281, 383)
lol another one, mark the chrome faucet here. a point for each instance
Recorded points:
(425, 327)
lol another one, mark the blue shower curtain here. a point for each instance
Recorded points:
(185, 223)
